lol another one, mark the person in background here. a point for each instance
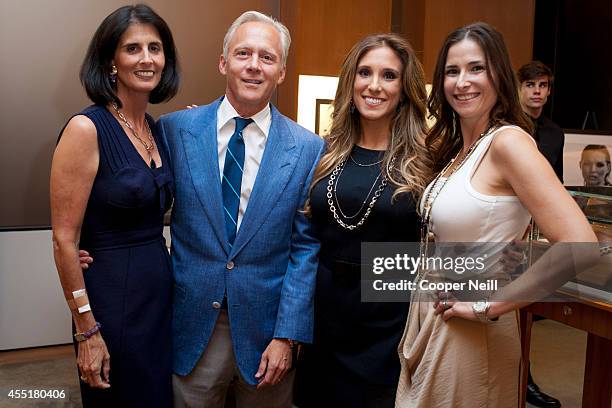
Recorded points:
(536, 81)
(243, 251)
(110, 187)
(365, 188)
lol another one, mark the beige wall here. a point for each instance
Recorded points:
(42, 44)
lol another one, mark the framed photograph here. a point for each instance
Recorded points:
(586, 160)
(323, 116)
(315, 96)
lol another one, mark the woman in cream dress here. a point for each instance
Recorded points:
(492, 180)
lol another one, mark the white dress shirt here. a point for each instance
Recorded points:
(255, 136)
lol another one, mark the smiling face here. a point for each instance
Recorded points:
(253, 67)
(378, 84)
(139, 59)
(534, 93)
(595, 167)
(467, 87)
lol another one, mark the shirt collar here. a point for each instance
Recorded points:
(226, 112)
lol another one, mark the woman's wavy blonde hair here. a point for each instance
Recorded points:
(412, 165)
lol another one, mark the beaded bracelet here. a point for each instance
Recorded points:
(85, 335)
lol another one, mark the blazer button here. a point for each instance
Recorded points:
(230, 265)
(216, 305)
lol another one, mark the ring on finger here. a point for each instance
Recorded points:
(445, 303)
(83, 378)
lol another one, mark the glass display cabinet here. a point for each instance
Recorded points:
(584, 303)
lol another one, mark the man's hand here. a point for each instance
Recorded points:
(84, 259)
(274, 364)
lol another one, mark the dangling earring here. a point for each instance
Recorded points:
(113, 74)
(351, 107)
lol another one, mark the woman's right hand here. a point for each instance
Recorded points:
(93, 361)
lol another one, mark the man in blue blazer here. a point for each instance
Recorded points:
(243, 253)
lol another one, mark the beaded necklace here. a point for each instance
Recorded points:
(434, 191)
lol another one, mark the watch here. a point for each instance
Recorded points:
(87, 334)
(480, 309)
(292, 343)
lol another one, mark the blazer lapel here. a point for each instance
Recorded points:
(275, 169)
(200, 143)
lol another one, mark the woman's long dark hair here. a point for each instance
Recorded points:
(444, 139)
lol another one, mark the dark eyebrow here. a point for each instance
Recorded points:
(138, 45)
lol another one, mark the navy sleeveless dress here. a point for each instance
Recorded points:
(130, 282)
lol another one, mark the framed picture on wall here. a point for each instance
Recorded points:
(315, 97)
(323, 116)
(586, 160)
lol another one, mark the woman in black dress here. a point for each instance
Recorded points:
(110, 187)
(378, 166)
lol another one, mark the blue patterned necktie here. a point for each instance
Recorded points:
(232, 178)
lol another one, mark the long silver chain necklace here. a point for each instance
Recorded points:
(332, 196)
(364, 201)
(150, 146)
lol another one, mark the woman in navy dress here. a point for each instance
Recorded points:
(110, 187)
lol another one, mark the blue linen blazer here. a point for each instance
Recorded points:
(270, 286)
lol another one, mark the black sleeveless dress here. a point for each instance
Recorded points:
(353, 359)
(130, 282)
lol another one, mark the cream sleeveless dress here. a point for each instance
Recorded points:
(462, 363)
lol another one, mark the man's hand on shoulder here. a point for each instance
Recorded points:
(275, 363)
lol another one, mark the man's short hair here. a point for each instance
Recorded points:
(533, 70)
(249, 16)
